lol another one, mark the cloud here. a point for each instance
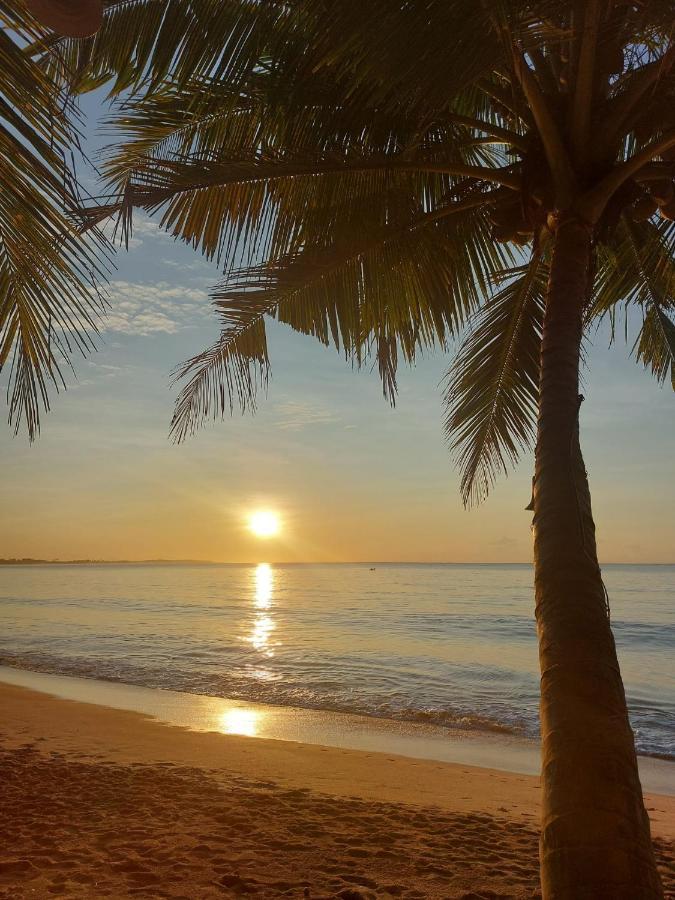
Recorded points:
(505, 542)
(149, 228)
(103, 370)
(143, 229)
(294, 416)
(190, 267)
(143, 309)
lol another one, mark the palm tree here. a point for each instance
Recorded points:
(386, 176)
(49, 273)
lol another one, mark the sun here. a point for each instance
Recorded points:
(264, 523)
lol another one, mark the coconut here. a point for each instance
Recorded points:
(504, 233)
(662, 191)
(610, 59)
(509, 215)
(667, 211)
(649, 123)
(645, 208)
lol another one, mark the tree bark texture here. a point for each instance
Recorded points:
(595, 840)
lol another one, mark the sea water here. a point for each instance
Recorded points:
(449, 645)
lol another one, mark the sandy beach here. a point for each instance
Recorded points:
(99, 802)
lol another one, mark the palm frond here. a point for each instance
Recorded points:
(655, 344)
(493, 382)
(235, 366)
(392, 57)
(49, 300)
(315, 150)
(396, 290)
(142, 41)
(638, 269)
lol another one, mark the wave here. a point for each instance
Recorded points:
(271, 692)
(652, 734)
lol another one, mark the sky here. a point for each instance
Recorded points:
(351, 478)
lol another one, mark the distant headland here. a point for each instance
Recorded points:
(29, 561)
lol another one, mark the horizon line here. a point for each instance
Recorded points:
(27, 560)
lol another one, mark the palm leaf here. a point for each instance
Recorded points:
(401, 287)
(639, 269)
(655, 344)
(49, 303)
(493, 382)
(313, 149)
(235, 366)
(141, 41)
(383, 55)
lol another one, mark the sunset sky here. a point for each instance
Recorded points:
(351, 478)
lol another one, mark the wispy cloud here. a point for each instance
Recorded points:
(294, 416)
(143, 229)
(505, 542)
(197, 265)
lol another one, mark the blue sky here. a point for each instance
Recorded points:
(350, 477)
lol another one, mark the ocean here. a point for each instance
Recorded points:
(448, 645)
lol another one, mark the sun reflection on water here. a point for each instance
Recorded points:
(239, 721)
(260, 636)
(264, 582)
(263, 623)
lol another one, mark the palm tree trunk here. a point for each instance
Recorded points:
(595, 840)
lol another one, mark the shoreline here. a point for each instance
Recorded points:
(205, 713)
(107, 802)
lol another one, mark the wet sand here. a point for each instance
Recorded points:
(100, 802)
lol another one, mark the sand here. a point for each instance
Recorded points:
(98, 802)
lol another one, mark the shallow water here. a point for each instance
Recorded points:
(452, 645)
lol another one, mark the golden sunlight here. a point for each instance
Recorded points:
(239, 721)
(263, 624)
(264, 523)
(264, 582)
